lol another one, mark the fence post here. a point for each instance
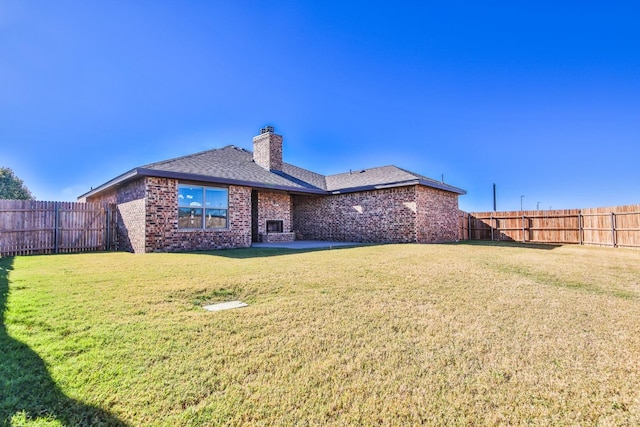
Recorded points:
(114, 227)
(613, 229)
(107, 234)
(491, 226)
(470, 227)
(580, 228)
(523, 239)
(56, 223)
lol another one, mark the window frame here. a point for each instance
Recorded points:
(202, 208)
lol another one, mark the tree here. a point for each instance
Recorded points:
(12, 187)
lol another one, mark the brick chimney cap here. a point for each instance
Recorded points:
(267, 129)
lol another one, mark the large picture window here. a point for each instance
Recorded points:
(202, 207)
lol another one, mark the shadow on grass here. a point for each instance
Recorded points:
(508, 244)
(245, 253)
(27, 392)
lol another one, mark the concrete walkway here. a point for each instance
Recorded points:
(304, 244)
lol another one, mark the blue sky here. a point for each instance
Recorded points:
(541, 98)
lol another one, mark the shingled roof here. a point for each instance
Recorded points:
(381, 177)
(234, 165)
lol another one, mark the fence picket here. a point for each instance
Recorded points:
(40, 227)
(617, 226)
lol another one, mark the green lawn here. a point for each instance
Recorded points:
(459, 334)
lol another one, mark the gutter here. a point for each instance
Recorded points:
(127, 176)
(444, 187)
(143, 172)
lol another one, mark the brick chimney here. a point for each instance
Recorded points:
(267, 149)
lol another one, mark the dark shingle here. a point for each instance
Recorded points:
(314, 179)
(368, 177)
(383, 176)
(232, 164)
(229, 163)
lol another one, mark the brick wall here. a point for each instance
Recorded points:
(130, 202)
(163, 234)
(161, 213)
(274, 206)
(267, 151)
(394, 215)
(148, 218)
(437, 215)
(378, 216)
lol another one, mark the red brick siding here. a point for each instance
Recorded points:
(163, 234)
(437, 216)
(274, 206)
(267, 151)
(130, 202)
(148, 218)
(277, 237)
(161, 214)
(396, 215)
(107, 197)
(378, 216)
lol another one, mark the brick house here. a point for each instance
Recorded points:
(230, 197)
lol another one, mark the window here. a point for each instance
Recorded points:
(202, 207)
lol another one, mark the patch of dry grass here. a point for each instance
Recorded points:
(397, 334)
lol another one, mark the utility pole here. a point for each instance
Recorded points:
(494, 197)
(521, 197)
(538, 206)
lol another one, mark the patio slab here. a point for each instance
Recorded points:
(304, 244)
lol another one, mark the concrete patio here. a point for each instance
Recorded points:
(305, 244)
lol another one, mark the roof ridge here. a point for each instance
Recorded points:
(417, 175)
(295, 180)
(352, 171)
(441, 184)
(304, 169)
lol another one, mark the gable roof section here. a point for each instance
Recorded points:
(226, 165)
(311, 178)
(382, 177)
(234, 165)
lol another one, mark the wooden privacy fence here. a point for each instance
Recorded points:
(615, 226)
(35, 227)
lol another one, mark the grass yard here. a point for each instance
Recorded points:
(459, 334)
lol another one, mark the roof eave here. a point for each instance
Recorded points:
(127, 176)
(142, 172)
(373, 187)
(217, 180)
(443, 187)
